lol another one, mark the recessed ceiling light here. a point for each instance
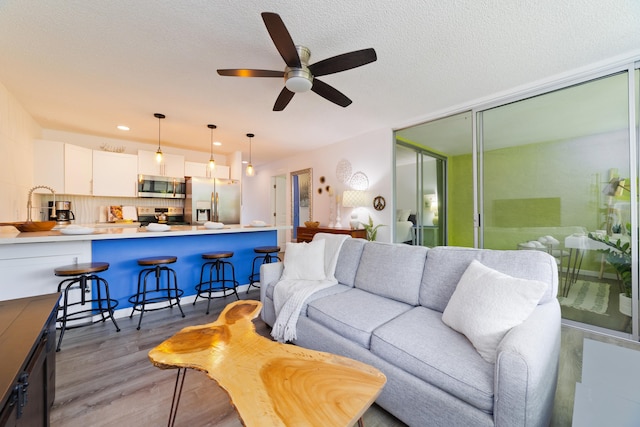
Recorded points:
(217, 143)
(123, 127)
(244, 162)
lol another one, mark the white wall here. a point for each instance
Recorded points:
(370, 153)
(17, 131)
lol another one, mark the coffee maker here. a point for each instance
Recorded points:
(64, 214)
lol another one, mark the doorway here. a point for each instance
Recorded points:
(420, 196)
(431, 160)
(279, 205)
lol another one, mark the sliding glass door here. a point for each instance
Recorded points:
(420, 197)
(555, 175)
(434, 182)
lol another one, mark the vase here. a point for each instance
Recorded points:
(625, 304)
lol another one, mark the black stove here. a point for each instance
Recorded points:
(160, 215)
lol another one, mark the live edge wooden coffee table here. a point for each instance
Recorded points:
(270, 384)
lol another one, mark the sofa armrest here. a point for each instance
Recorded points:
(269, 275)
(527, 369)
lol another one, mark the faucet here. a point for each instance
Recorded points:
(30, 204)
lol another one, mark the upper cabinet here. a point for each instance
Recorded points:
(66, 168)
(172, 165)
(48, 165)
(78, 170)
(201, 170)
(195, 169)
(115, 174)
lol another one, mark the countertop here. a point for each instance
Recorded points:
(9, 237)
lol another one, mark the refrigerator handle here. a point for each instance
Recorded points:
(214, 206)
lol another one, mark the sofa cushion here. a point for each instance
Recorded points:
(487, 304)
(445, 266)
(354, 314)
(304, 261)
(420, 344)
(392, 271)
(348, 261)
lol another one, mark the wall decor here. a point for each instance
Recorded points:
(343, 171)
(112, 149)
(379, 203)
(359, 181)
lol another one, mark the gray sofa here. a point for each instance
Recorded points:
(387, 311)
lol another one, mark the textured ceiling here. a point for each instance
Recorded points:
(86, 65)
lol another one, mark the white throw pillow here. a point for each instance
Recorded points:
(403, 215)
(304, 261)
(487, 304)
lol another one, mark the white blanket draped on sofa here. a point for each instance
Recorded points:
(290, 293)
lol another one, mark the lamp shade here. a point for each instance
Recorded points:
(354, 198)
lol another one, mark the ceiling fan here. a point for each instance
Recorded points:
(298, 75)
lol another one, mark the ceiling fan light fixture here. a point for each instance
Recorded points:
(298, 80)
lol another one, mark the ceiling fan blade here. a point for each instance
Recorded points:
(330, 93)
(251, 73)
(343, 62)
(281, 38)
(283, 99)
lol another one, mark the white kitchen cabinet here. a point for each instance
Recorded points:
(115, 174)
(172, 165)
(201, 170)
(78, 170)
(48, 165)
(221, 171)
(195, 169)
(27, 269)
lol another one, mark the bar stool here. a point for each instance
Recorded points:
(206, 288)
(156, 293)
(266, 255)
(102, 305)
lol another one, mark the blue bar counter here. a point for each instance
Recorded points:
(32, 256)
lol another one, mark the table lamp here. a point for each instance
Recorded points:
(354, 199)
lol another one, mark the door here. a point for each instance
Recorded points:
(556, 175)
(420, 197)
(434, 182)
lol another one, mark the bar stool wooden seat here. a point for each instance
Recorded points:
(102, 305)
(265, 255)
(168, 293)
(211, 288)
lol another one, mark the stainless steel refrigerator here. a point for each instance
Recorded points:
(212, 199)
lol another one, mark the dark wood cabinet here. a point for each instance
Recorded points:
(305, 234)
(27, 373)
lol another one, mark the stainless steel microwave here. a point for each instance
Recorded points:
(161, 186)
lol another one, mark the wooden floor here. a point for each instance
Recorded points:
(104, 377)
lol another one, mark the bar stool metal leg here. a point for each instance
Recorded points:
(102, 304)
(147, 293)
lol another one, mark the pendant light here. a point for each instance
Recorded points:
(249, 171)
(212, 162)
(159, 152)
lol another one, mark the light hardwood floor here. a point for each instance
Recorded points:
(104, 377)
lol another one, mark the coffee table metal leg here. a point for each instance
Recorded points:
(177, 392)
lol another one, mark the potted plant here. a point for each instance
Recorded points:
(618, 254)
(372, 231)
